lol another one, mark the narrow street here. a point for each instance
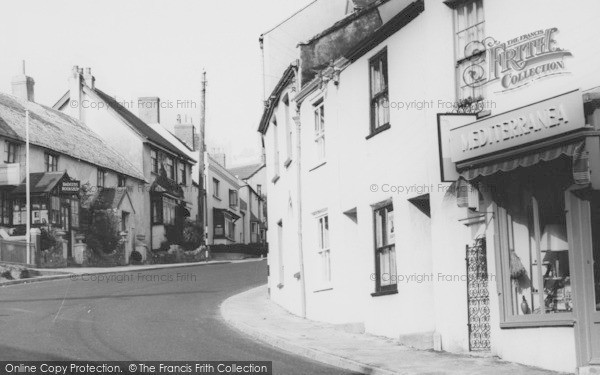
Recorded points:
(170, 314)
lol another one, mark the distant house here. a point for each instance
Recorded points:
(169, 198)
(64, 155)
(253, 196)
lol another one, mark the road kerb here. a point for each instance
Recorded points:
(108, 271)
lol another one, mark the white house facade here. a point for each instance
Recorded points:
(436, 182)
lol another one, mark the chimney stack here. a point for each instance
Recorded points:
(186, 132)
(75, 92)
(22, 86)
(149, 109)
(90, 80)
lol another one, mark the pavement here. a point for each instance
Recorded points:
(166, 314)
(254, 314)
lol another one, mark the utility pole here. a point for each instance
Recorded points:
(201, 166)
(27, 188)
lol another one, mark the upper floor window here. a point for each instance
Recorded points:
(320, 130)
(276, 150)
(380, 111)
(51, 161)
(101, 178)
(216, 184)
(154, 160)
(11, 152)
(182, 174)
(259, 190)
(170, 167)
(288, 129)
(122, 182)
(470, 51)
(233, 198)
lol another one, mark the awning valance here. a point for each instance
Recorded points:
(575, 150)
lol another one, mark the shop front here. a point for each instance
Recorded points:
(54, 202)
(538, 169)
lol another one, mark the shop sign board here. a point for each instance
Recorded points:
(535, 122)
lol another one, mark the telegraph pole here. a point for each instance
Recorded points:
(201, 166)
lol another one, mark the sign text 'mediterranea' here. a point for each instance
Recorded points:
(515, 127)
(509, 130)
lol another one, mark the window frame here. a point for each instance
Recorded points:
(216, 188)
(51, 161)
(382, 57)
(154, 155)
(391, 288)
(461, 58)
(101, 177)
(169, 164)
(11, 152)
(121, 180)
(233, 203)
(183, 170)
(319, 131)
(323, 248)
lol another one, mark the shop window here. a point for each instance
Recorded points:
(11, 152)
(39, 211)
(319, 112)
(55, 210)
(4, 209)
(233, 198)
(380, 112)
(385, 250)
(51, 162)
(169, 209)
(157, 210)
(323, 250)
(154, 160)
(534, 242)
(229, 227)
(470, 51)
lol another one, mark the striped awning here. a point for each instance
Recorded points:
(575, 150)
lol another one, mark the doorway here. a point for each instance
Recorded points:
(583, 210)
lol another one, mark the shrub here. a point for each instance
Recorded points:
(248, 249)
(192, 235)
(102, 234)
(48, 239)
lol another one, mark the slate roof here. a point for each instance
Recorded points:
(140, 125)
(60, 133)
(245, 171)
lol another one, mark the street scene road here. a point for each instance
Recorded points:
(169, 314)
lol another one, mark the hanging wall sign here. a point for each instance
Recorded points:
(70, 187)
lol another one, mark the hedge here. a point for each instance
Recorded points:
(248, 249)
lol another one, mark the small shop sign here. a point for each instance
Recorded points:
(516, 62)
(70, 186)
(549, 118)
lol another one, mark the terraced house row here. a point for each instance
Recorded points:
(433, 173)
(90, 153)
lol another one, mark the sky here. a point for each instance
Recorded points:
(151, 48)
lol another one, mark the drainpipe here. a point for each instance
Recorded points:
(299, 210)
